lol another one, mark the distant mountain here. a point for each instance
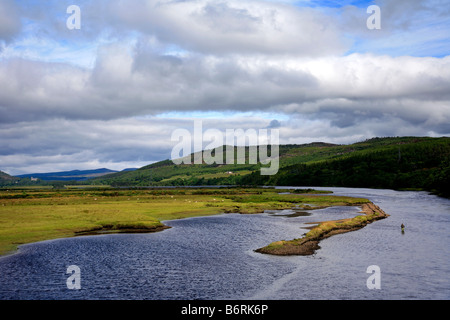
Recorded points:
(74, 175)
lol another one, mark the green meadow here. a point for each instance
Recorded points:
(33, 215)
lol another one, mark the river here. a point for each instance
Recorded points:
(213, 258)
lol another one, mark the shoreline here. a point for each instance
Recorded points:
(116, 230)
(304, 246)
(93, 232)
(309, 244)
(46, 215)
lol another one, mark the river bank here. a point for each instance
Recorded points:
(37, 215)
(213, 258)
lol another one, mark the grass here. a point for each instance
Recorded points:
(35, 215)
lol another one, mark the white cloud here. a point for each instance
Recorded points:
(232, 26)
(125, 84)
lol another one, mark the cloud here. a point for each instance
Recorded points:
(67, 145)
(414, 28)
(111, 94)
(126, 83)
(233, 27)
(274, 124)
(57, 145)
(10, 24)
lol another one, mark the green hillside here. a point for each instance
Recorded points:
(6, 179)
(166, 173)
(397, 163)
(404, 163)
(419, 163)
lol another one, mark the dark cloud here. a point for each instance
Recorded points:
(274, 124)
(123, 85)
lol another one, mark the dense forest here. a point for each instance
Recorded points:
(420, 165)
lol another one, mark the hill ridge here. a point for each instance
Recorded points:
(380, 162)
(292, 156)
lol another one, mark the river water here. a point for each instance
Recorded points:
(213, 258)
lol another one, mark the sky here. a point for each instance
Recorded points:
(111, 93)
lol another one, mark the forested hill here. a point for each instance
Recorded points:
(393, 163)
(422, 163)
(390, 163)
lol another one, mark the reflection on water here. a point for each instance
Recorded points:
(214, 258)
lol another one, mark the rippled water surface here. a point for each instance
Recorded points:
(213, 258)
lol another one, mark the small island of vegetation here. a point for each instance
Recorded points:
(310, 242)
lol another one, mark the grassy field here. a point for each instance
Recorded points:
(34, 215)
